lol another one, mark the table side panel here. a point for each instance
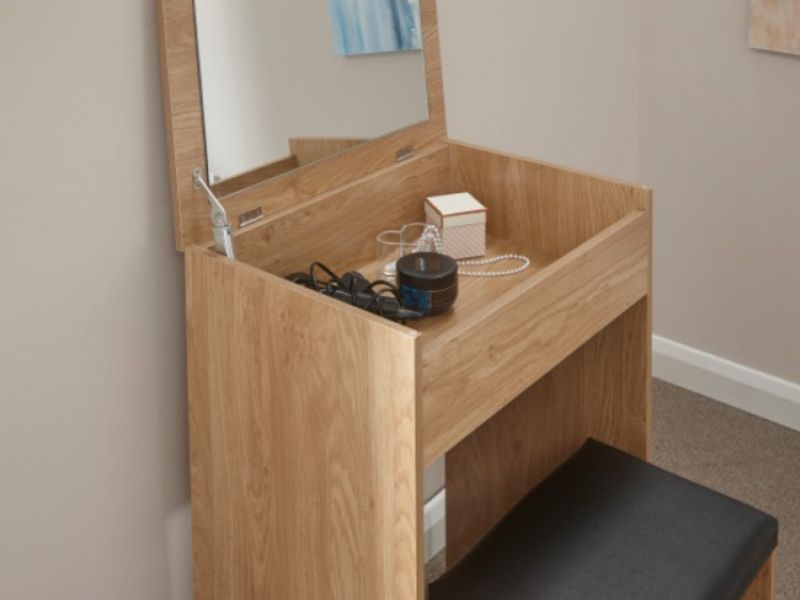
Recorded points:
(305, 460)
(763, 587)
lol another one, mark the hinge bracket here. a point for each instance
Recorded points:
(404, 153)
(223, 238)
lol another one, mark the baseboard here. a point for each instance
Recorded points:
(752, 391)
(433, 519)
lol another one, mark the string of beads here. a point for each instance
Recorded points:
(431, 236)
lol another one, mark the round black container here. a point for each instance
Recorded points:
(428, 282)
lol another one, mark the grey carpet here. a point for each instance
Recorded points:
(734, 453)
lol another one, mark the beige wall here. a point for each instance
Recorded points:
(93, 469)
(546, 78)
(668, 94)
(720, 139)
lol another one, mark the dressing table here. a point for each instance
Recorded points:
(311, 422)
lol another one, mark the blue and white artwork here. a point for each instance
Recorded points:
(373, 26)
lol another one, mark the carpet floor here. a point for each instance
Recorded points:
(734, 453)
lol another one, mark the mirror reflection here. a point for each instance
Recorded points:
(289, 82)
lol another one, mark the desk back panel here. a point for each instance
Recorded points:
(340, 227)
(549, 207)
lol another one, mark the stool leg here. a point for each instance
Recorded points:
(763, 587)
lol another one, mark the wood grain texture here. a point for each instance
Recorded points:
(648, 368)
(306, 477)
(763, 587)
(601, 390)
(255, 176)
(339, 228)
(186, 135)
(302, 151)
(309, 150)
(552, 208)
(312, 472)
(546, 218)
(483, 346)
(183, 117)
(472, 370)
(475, 294)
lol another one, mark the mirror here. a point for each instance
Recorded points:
(289, 82)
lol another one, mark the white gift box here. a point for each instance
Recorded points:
(462, 221)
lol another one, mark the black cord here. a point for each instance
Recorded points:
(380, 297)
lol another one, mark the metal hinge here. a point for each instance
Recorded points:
(223, 238)
(404, 153)
(251, 216)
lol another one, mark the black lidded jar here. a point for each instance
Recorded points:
(428, 282)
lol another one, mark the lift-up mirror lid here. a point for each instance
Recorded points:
(186, 137)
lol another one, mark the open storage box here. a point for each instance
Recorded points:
(587, 237)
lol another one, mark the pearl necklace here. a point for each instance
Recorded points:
(431, 236)
(526, 262)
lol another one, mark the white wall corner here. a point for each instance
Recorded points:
(736, 385)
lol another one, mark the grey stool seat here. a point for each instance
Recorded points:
(608, 526)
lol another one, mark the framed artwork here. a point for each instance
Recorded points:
(374, 26)
(775, 25)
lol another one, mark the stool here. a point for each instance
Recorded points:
(608, 526)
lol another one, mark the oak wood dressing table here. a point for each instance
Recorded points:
(311, 422)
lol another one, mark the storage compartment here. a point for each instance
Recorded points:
(587, 238)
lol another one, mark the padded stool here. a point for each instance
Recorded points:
(608, 526)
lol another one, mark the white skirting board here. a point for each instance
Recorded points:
(752, 391)
(433, 520)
